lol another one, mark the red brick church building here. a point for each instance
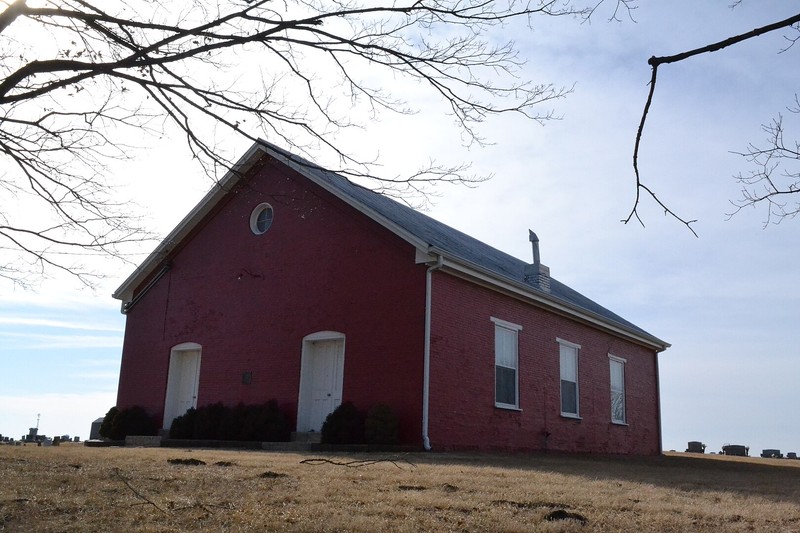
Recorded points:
(290, 282)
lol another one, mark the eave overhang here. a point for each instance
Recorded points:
(475, 273)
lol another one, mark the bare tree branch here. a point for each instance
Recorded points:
(10, 14)
(775, 182)
(655, 62)
(78, 79)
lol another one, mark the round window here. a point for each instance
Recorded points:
(261, 219)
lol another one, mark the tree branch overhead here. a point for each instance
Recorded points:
(77, 79)
(763, 158)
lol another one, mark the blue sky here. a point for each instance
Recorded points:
(726, 301)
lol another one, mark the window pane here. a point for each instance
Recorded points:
(617, 406)
(264, 220)
(505, 385)
(569, 363)
(569, 379)
(569, 397)
(617, 391)
(617, 376)
(505, 347)
(506, 359)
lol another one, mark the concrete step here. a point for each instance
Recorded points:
(312, 437)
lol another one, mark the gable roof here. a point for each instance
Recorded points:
(456, 251)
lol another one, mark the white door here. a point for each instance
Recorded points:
(182, 383)
(321, 380)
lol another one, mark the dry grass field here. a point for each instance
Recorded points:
(73, 488)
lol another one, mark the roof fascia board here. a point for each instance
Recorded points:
(189, 222)
(487, 278)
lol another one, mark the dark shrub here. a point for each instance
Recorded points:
(230, 427)
(208, 421)
(105, 427)
(183, 426)
(265, 422)
(380, 426)
(131, 421)
(345, 425)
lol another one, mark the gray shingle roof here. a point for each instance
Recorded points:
(453, 242)
(424, 231)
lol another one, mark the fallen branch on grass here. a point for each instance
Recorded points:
(207, 507)
(138, 494)
(357, 463)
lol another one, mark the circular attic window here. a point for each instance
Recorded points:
(261, 219)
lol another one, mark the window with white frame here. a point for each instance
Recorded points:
(506, 364)
(568, 353)
(617, 367)
(261, 218)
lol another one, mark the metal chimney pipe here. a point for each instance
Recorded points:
(535, 245)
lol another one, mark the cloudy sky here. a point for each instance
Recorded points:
(725, 300)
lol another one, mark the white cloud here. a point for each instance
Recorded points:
(97, 363)
(50, 323)
(43, 341)
(109, 376)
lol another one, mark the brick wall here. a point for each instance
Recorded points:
(249, 300)
(463, 413)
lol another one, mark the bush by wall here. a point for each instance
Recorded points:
(208, 421)
(105, 427)
(345, 425)
(381, 426)
(119, 423)
(265, 422)
(183, 426)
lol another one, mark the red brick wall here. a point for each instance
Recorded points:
(249, 301)
(462, 409)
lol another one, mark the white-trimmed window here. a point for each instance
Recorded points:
(506, 364)
(568, 354)
(261, 218)
(617, 367)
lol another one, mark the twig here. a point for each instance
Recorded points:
(137, 493)
(357, 463)
(639, 184)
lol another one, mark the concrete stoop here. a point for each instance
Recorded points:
(289, 446)
(311, 437)
(143, 441)
(299, 441)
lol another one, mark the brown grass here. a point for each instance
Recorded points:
(73, 488)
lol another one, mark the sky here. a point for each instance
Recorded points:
(726, 300)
